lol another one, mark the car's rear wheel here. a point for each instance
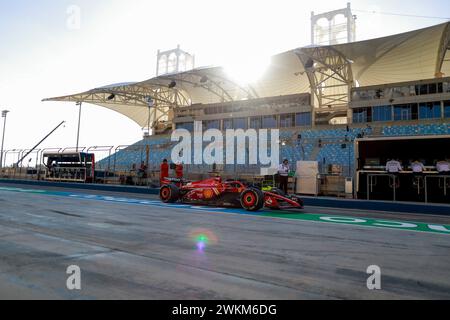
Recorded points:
(252, 199)
(278, 192)
(169, 193)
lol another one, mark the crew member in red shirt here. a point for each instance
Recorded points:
(179, 171)
(164, 171)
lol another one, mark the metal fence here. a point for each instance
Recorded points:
(33, 168)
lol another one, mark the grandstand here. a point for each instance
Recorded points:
(331, 151)
(321, 98)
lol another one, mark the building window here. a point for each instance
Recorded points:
(447, 109)
(446, 87)
(240, 123)
(404, 112)
(362, 115)
(269, 122)
(213, 124)
(431, 88)
(430, 110)
(303, 119)
(189, 126)
(382, 113)
(255, 123)
(227, 124)
(287, 120)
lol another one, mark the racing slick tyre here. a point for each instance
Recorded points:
(278, 192)
(252, 199)
(169, 193)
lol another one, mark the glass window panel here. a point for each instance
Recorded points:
(269, 122)
(430, 110)
(446, 87)
(240, 123)
(213, 124)
(402, 112)
(361, 115)
(303, 119)
(287, 120)
(432, 88)
(186, 125)
(227, 124)
(255, 122)
(447, 109)
(424, 89)
(382, 113)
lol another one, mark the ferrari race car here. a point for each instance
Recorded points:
(215, 192)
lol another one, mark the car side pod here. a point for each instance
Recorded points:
(252, 199)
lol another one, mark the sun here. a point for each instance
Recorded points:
(248, 69)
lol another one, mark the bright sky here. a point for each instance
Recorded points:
(42, 56)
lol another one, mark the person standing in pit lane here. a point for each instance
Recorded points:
(283, 172)
(179, 171)
(164, 171)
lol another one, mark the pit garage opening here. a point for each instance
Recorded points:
(375, 183)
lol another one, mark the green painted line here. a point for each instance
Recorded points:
(368, 222)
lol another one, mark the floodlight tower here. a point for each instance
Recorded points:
(4, 115)
(334, 31)
(150, 104)
(174, 61)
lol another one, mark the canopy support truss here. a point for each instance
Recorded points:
(443, 48)
(212, 83)
(136, 96)
(330, 76)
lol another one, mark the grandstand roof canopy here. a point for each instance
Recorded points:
(414, 55)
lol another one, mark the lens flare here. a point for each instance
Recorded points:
(203, 238)
(201, 246)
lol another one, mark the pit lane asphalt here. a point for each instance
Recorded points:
(127, 251)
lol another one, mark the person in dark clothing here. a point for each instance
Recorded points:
(283, 172)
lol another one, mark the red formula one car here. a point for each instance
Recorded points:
(216, 192)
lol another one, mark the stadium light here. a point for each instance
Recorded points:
(4, 114)
(150, 104)
(309, 64)
(172, 85)
(79, 104)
